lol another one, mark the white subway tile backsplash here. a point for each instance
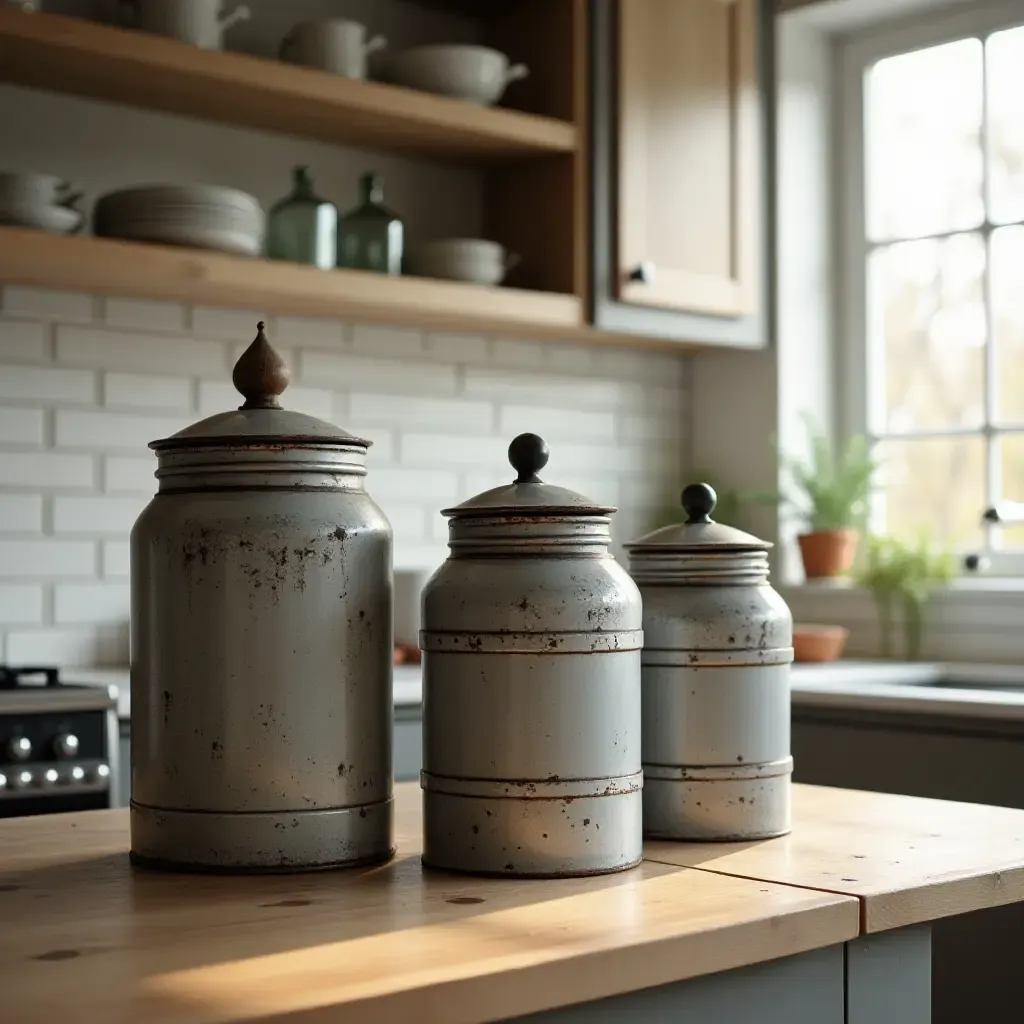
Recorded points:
(115, 431)
(21, 604)
(115, 559)
(111, 516)
(126, 474)
(556, 423)
(306, 331)
(76, 603)
(459, 348)
(410, 484)
(48, 384)
(47, 559)
(231, 324)
(517, 354)
(104, 645)
(146, 391)
(20, 513)
(453, 450)
(440, 408)
(398, 376)
(545, 389)
(145, 314)
(110, 348)
(46, 304)
(46, 470)
(380, 340)
(23, 341)
(21, 426)
(412, 411)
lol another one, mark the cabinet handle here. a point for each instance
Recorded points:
(642, 273)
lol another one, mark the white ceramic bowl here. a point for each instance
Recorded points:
(475, 73)
(461, 259)
(60, 220)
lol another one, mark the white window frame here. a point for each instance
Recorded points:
(856, 53)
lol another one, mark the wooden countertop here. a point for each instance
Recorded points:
(86, 937)
(908, 860)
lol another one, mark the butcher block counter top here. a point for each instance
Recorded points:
(87, 937)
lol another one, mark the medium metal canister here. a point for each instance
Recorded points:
(531, 686)
(261, 644)
(718, 644)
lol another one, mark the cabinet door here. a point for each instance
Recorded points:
(688, 155)
(680, 168)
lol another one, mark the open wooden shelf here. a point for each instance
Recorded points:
(196, 276)
(71, 55)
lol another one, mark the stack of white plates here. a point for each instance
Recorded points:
(201, 216)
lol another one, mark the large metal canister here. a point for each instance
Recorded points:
(531, 686)
(718, 644)
(261, 644)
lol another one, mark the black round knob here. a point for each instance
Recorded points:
(699, 502)
(528, 454)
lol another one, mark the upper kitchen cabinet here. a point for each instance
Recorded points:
(680, 158)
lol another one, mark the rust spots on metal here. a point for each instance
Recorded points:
(342, 768)
(216, 750)
(168, 702)
(510, 867)
(586, 821)
(340, 534)
(362, 812)
(476, 830)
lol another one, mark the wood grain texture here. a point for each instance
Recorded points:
(689, 154)
(193, 276)
(88, 938)
(76, 56)
(908, 860)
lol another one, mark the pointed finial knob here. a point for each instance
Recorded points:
(699, 502)
(260, 374)
(528, 454)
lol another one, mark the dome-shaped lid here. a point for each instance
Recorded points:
(260, 376)
(699, 530)
(528, 495)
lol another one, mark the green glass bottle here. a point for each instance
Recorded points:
(302, 227)
(371, 235)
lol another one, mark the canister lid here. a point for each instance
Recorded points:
(260, 376)
(699, 530)
(528, 495)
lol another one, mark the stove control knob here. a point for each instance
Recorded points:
(101, 773)
(19, 748)
(50, 777)
(77, 774)
(66, 745)
(3, 781)
(21, 780)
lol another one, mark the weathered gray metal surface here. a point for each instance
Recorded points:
(531, 679)
(716, 660)
(803, 989)
(261, 656)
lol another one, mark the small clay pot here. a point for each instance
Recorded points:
(818, 643)
(828, 553)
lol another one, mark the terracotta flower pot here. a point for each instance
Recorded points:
(818, 643)
(828, 552)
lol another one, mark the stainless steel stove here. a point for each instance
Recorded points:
(58, 743)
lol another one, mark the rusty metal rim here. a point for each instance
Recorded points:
(532, 789)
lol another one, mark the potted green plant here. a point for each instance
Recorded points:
(901, 578)
(830, 492)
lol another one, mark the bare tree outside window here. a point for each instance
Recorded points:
(944, 276)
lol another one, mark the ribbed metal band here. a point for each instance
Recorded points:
(532, 643)
(711, 659)
(717, 773)
(539, 789)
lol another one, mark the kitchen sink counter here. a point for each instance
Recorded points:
(735, 935)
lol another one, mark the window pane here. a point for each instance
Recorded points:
(1005, 51)
(1012, 459)
(1008, 322)
(923, 116)
(935, 486)
(927, 334)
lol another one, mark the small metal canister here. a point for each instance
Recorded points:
(531, 686)
(261, 644)
(718, 644)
